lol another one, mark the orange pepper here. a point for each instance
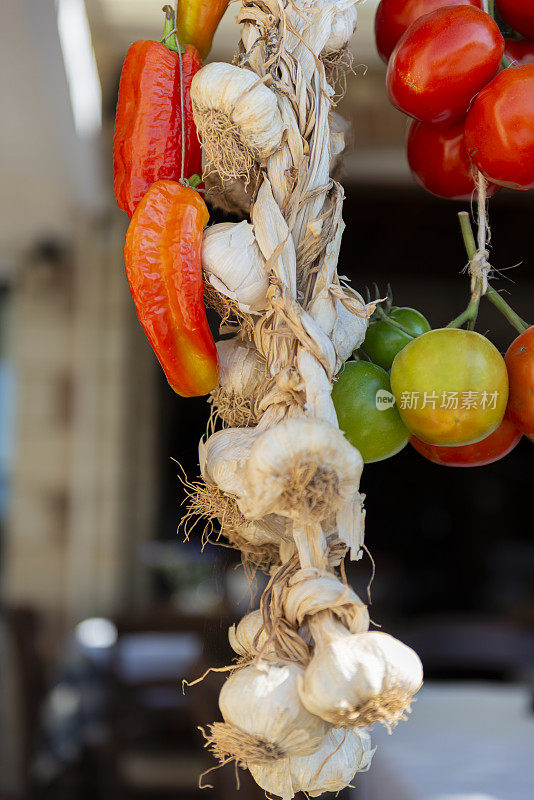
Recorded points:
(197, 22)
(163, 266)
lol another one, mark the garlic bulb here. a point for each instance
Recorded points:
(264, 719)
(343, 25)
(248, 638)
(311, 591)
(237, 118)
(242, 383)
(302, 469)
(222, 457)
(358, 679)
(234, 265)
(341, 754)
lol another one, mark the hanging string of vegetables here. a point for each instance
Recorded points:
(293, 418)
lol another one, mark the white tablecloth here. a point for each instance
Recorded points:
(463, 741)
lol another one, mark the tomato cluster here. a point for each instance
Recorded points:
(447, 391)
(445, 61)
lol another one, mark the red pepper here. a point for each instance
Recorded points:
(198, 21)
(147, 145)
(162, 256)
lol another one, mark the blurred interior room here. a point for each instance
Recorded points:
(105, 605)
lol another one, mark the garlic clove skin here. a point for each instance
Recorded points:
(359, 679)
(341, 754)
(248, 637)
(222, 457)
(343, 25)
(302, 469)
(274, 778)
(242, 370)
(350, 328)
(260, 704)
(234, 265)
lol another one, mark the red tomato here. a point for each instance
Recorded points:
(499, 130)
(520, 364)
(519, 15)
(440, 162)
(394, 17)
(519, 52)
(441, 63)
(494, 447)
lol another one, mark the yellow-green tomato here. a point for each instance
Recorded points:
(451, 386)
(366, 411)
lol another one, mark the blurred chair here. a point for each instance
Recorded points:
(155, 748)
(22, 687)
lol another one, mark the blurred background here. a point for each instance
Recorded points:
(103, 607)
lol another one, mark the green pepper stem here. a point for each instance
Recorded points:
(168, 40)
(492, 295)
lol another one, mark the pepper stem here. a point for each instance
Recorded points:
(492, 295)
(170, 39)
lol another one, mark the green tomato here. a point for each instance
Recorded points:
(383, 341)
(366, 411)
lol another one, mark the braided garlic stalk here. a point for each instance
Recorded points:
(284, 485)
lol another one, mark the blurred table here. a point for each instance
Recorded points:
(463, 741)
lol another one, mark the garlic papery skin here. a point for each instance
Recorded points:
(343, 25)
(312, 590)
(351, 324)
(248, 637)
(341, 754)
(241, 384)
(222, 457)
(237, 118)
(302, 469)
(264, 719)
(234, 265)
(358, 679)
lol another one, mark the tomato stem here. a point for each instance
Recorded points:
(394, 324)
(493, 296)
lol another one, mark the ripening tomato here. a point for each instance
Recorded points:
(383, 341)
(519, 51)
(499, 129)
(451, 386)
(366, 411)
(440, 163)
(394, 17)
(519, 15)
(494, 447)
(441, 63)
(520, 363)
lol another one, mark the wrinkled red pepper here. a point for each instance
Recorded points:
(198, 21)
(147, 145)
(163, 265)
